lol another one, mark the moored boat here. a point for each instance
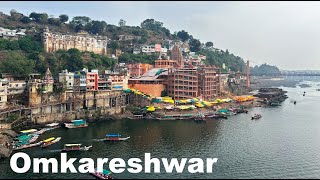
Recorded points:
(53, 125)
(25, 146)
(115, 137)
(34, 138)
(76, 124)
(75, 147)
(50, 141)
(104, 175)
(256, 116)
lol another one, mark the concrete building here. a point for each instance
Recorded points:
(165, 63)
(153, 82)
(117, 80)
(53, 41)
(3, 93)
(12, 34)
(138, 69)
(80, 80)
(192, 81)
(67, 79)
(92, 80)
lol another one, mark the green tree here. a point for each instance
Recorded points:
(209, 44)
(25, 20)
(183, 35)
(54, 21)
(16, 64)
(195, 45)
(63, 18)
(122, 23)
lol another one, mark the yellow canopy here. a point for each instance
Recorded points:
(28, 131)
(151, 108)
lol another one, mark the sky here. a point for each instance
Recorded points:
(285, 34)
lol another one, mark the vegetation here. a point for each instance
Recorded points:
(218, 58)
(137, 58)
(29, 49)
(264, 70)
(26, 55)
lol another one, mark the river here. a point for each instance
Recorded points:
(284, 143)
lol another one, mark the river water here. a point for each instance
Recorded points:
(284, 143)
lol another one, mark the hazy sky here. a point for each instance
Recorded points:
(285, 34)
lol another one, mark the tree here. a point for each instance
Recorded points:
(96, 27)
(39, 17)
(16, 64)
(183, 35)
(79, 22)
(151, 24)
(63, 18)
(122, 23)
(54, 21)
(195, 45)
(209, 44)
(25, 20)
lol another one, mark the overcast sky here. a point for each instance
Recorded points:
(285, 34)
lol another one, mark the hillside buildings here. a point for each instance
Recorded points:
(12, 34)
(53, 41)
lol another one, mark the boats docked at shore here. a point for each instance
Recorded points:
(50, 141)
(75, 147)
(25, 146)
(104, 175)
(76, 124)
(115, 137)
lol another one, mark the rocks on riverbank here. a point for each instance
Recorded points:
(6, 139)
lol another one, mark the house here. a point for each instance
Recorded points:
(80, 80)
(3, 93)
(67, 79)
(92, 80)
(137, 69)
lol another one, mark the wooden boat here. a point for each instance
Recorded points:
(115, 137)
(75, 147)
(104, 175)
(53, 125)
(76, 124)
(256, 116)
(30, 131)
(50, 141)
(34, 138)
(199, 117)
(27, 146)
(217, 116)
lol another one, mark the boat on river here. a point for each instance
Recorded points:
(50, 141)
(256, 116)
(104, 175)
(75, 147)
(115, 137)
(25, 146)
(34, 138)
(53, 125)
(80, 123)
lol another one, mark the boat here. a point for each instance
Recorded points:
(30, 131)
(295, 102)
(275, 104)
(199, 117)
(217, 116)
(34, 138)
(75, 147)
(115, 137)
(50, 141)
(25, 146)
(256, 116)
(76, 124)
(53, 125)
(104, 175)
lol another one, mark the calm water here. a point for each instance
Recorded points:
(285, 143)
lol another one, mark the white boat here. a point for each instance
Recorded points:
(53, 125)
(34, 138)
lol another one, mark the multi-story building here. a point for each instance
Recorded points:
(80, 80)
(92, 80)
(138, 69)
(12, 34)
(67, 79)
(192, 81)
(165, 63)
(3, 93)
(53, 41)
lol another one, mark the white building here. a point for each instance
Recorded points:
(11, 34)
(67, 78)
(3, 93)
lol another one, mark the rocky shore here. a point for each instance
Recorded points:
(6, 139)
